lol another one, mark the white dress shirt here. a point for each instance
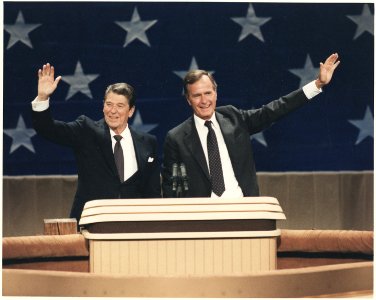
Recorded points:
(232, 188)
(130, 162)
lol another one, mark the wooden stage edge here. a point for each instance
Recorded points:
(341, 280)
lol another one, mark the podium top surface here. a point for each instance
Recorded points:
(179, 201)
(179, 209)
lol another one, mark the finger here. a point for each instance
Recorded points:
(57, 80)
(48, 69)
(52, 71)
(334, 60)
(331, 59)
(44, 72)
(40, 73)
(336, 64)
(334, 57)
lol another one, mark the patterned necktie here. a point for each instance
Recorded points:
(119, 158)
(215, 165)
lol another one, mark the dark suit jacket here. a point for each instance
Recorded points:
(182, 145)
(97, 173)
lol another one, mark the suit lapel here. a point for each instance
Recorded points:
(105, 145)
(227, 130)
(192, 141)
(139, 148)
(229, 135)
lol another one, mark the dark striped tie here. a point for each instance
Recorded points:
(215, 165)
(119, 158)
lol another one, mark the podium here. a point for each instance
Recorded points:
(182, 236)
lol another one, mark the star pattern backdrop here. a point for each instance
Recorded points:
(256, 51)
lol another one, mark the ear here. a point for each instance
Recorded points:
(131, 111)
(189, 102)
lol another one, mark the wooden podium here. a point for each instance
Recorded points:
(182, 236)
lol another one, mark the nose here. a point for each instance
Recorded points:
(203, 99)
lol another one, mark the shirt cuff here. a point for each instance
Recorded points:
(38, 105)
(311, 90)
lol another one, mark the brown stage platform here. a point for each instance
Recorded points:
(310, 263)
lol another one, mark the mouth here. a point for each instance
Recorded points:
(205, 106)
(112, 118)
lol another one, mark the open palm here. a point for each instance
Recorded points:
(327, 69)
(47, 84)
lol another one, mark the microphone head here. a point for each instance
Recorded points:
(174, 169)
(183, 170)
(174, 176)
(184, 176)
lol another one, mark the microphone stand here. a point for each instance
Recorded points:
(179, 191)
(184, 176)
(174, 177)
(179, 180)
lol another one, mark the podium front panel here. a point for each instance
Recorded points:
(183, 257)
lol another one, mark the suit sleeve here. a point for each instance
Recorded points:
(257, 120)
(63, 133)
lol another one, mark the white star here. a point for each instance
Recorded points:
(136, 28)
(79, 82)
(193, 66)
(307, 73)
(139, 125)
(363, 21)
(251, 24)
(21, 136)
(365, 126)
(19, 31)
(260, 138)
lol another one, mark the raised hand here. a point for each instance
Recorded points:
(47, 83)
(326, 70)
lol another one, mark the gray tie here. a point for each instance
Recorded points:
(215, 165)
(119, 158)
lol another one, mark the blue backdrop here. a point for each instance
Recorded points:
(257, 52)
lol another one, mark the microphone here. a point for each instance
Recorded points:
(184, 176)
(174, 176)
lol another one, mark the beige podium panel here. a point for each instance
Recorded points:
(183, 236)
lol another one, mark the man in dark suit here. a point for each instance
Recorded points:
(229, 170)
(95, 146)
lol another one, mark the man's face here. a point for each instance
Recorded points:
(116, 112)
(202, 97)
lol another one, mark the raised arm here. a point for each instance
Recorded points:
(326, 70)
(47, 83)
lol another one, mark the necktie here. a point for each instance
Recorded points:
(119, 158)
(215, 165)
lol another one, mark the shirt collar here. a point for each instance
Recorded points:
(201, 122)
(126, 132)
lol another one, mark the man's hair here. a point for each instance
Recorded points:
(123, 89)
(194, 76)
